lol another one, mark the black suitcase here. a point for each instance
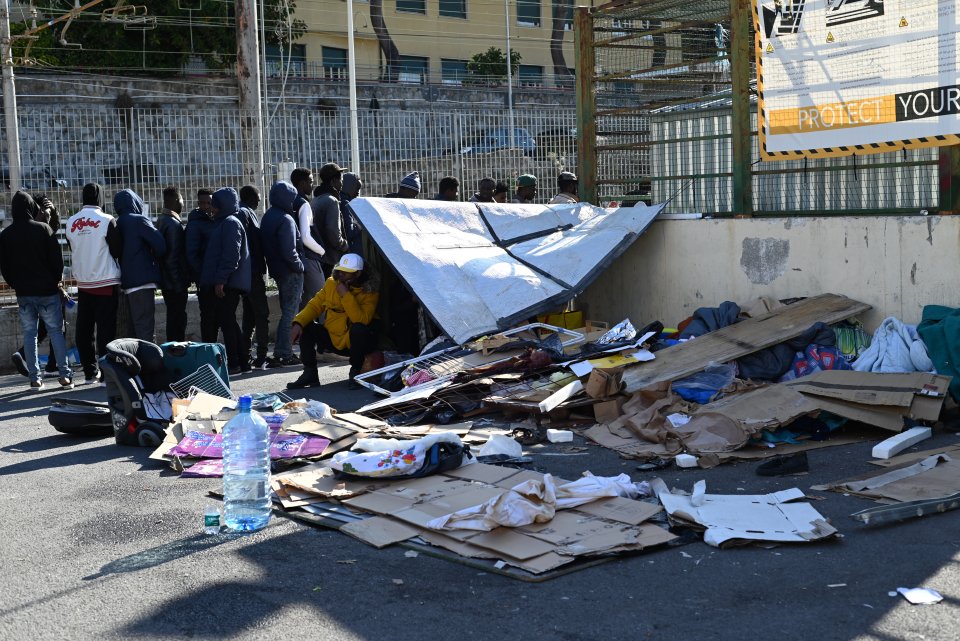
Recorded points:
(80, 418)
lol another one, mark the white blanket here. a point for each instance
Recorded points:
(896, 347)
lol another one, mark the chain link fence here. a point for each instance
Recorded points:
(146, 150)
(660, 90)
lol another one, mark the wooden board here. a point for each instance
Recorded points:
(743, 338)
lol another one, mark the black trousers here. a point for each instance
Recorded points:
(256, 315)
(225, 317)
(176, 304)
(96, 326)
(315, 338)
(208, 314)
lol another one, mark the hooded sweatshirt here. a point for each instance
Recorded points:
(279, 232)
(143, 245)
(227, 259)
(30, 258)
(197, 237)
(96, 244)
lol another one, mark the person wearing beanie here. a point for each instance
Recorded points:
(409, 187)
(95, 242)
(348, 305)
(32, 264)
(526, 189)
(143, 247)
(226, 271)
(567, 184)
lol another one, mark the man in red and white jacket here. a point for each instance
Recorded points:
(96, 245)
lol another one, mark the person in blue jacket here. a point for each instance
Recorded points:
(280, 239)
(197, 237)
(226, 273)
(143, 247)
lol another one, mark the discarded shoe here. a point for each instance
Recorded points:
(784, 465)
(307, 379)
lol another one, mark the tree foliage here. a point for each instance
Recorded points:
(161, 42)
(491, 64)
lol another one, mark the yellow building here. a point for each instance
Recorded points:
(431, 41)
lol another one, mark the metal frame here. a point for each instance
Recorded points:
(445, 356)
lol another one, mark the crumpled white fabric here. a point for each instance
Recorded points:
(379, 457)
(896, 347)
(535, 502)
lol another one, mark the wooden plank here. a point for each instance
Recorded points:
(743, 338)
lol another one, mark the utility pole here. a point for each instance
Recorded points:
(9, 97)
(352, 72)
(248, 81)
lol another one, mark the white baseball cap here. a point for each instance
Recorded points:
(349, 263)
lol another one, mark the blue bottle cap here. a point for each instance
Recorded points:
(244, 403)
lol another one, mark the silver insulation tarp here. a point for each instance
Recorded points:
(482, 268)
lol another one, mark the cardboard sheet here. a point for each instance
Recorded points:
(379, 531)
(735, 519)
(476, 280)
(933, 477)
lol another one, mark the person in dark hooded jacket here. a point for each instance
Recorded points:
(197, 237)
(281, 243)
(174, 271)
(226, 270)
(32, 264)
(143, 247)
(256, 311)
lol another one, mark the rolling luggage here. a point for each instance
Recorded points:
(80, 418)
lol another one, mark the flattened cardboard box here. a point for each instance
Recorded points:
(533, 548)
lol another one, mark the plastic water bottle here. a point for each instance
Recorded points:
(211, 520)
(246, 470)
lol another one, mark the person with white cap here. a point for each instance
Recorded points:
(567, 184)
(348, 304)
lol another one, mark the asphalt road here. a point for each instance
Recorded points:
(99, 542)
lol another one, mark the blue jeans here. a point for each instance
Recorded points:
(47, 308)
(290, 287)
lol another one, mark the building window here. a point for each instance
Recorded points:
(452, 72)
(278, 59)
(528, 13)
(531, 75)
(453, 8)
(414, 69)
(412, 6)
(334, 63)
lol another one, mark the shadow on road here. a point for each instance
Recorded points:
(88, 456)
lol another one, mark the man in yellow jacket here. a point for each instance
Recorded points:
(348, 304)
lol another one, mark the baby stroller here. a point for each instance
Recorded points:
(131, 369)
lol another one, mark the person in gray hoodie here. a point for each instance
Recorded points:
(226, 271)
(143, 247)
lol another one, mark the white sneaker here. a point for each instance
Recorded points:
(66, 383)
(36, 386)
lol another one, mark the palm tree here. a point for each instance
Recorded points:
(391, 55)
(562, 10)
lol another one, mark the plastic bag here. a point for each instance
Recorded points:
(705, 386)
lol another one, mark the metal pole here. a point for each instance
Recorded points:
(352, 71)
(506, 13)
(248, 80)
(9, 97)
(265, 103)
(741, 52)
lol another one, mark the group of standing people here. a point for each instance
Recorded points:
(328, 273)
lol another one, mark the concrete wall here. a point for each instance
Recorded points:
(896, 264)
(11, 336)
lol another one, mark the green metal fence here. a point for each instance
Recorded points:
(666, 103)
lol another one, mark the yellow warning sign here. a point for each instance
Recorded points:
(829, 36)
(769, 47)
(903, 22)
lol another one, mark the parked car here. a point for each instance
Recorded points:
(484, 142)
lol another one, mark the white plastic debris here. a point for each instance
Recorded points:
(500, 444)
(559, 436)
(920, 596)
(686, 460)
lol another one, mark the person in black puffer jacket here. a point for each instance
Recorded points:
(174, 272)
